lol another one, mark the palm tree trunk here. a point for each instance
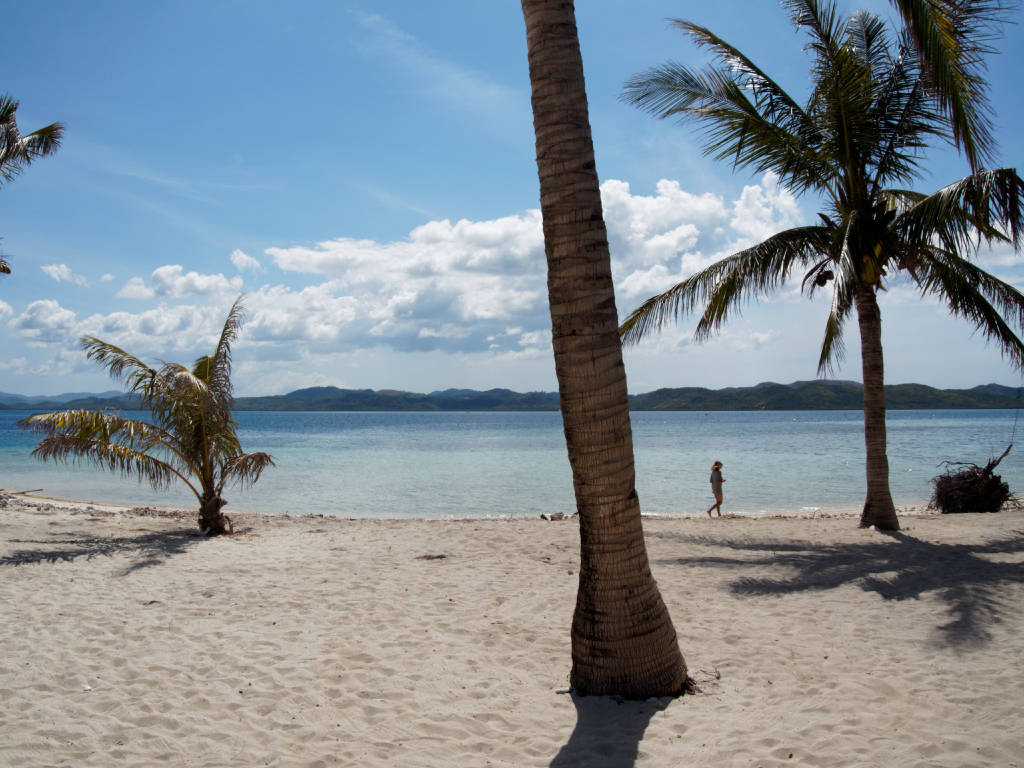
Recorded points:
(212, 522)
(623, 641)
(879, 510)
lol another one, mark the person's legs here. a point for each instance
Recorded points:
(718, 504)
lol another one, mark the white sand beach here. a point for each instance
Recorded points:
(127, 640)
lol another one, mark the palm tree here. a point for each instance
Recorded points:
(623, 641)
(191, 437)
(856, 143)
(17, 151)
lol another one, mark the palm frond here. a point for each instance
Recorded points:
(138, 377)
(749, 119)
(244, 470)
(846, 279)
(868, 37)
(821, 20)
(111, 456)
(219, 366)
(774, 103)
(17, 150)
(988, 205)
(726, 284)
(952, 38)
(905, 118)
(977, 296)
(112, 428)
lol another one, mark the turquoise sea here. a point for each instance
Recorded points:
(435, 465)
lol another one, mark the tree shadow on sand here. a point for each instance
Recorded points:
(966, 577)
(608, 732)
(150, 549)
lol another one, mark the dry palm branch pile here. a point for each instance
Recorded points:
(970, 488)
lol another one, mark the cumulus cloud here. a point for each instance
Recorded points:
(172, 282)
(658, 240)
(644, 230)
(63, 362)
(448, 285)
(458, 286)
(316, 314)
(45, 321)
(63, 274)
(161, 331)
(242, 260)
(451, 289)
(764, 209)
(5, 309)
(107, 278)
(135, 288)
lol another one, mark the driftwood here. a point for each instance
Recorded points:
(970, 488)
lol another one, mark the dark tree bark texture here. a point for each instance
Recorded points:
(623, 641)
(879, 510)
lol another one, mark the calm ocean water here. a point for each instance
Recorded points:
(435, 465)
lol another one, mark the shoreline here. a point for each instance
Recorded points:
(918, 509)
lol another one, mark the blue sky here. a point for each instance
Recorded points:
(364, 173)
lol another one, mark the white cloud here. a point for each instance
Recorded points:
(62, 362)
(16, 365)
(162, 331)
(107, 278)
(242, 260)
(450, 290)
(172, 282)
(314, 314)
(135, 288)
(998, 255)
(5, 309)
(58, 272)
(764, 209)
(647, 230)
(45, 321)
(63, 274)
(659, 240)
(447, 285)
(458, 286)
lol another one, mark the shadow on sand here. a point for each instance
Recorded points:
(608, 732)
(149, 548)
(967, 577)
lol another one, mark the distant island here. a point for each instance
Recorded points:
(817, 395)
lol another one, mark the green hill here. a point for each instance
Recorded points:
(817, 395)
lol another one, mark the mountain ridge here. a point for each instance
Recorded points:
(810, 395)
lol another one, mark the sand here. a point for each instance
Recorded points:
(126, 640)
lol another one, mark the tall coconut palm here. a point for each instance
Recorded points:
(856, 142)
(623, 641)
(191, 436)
(17, 151)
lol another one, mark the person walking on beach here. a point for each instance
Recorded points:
(716, 487)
